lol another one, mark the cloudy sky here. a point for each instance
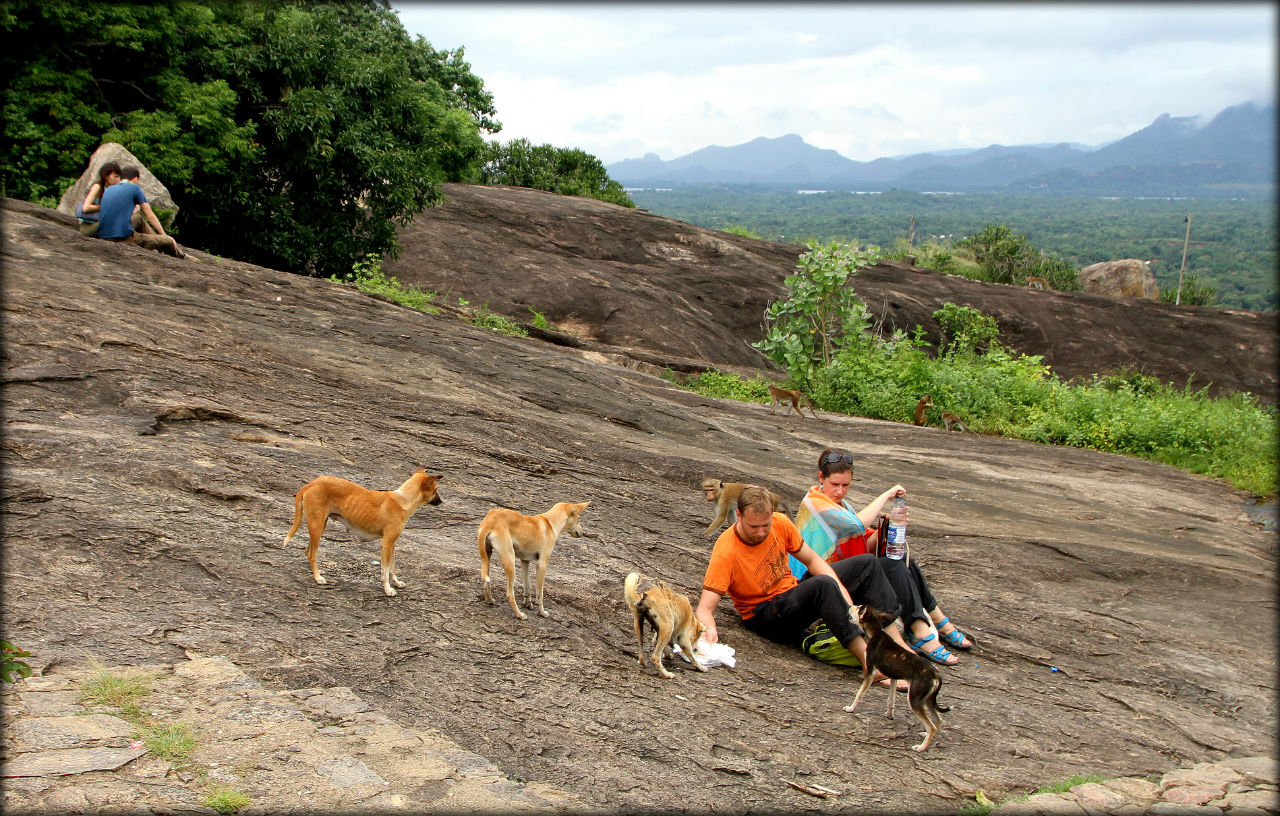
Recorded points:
(867, 80)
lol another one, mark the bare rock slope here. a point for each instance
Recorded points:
(160, 414)
(678, 294)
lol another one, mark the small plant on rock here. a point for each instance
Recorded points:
(120, 689)
(540, 320)
(13, 664)
(173, 742)
(226, 800)
(493, 321)
(367, 276)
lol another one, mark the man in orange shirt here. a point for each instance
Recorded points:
(749, 564)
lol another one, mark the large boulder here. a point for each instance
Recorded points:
(1128, 277)
(157, 193)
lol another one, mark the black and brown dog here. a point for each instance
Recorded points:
(893, 661)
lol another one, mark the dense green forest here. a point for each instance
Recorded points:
(1232, 247)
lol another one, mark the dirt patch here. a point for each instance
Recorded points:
(160, 414)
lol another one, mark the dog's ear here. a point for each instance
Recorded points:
(438, 478)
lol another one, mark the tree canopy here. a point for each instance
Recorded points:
(296, 135)
(568, 171)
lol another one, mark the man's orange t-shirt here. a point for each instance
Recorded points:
(752, 575)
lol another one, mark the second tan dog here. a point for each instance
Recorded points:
(670, 615)
(515, 536)
(370, 514)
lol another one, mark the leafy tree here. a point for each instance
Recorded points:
(568, 171)
(294, 135)
(821, 312)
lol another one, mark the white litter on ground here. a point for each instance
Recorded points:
(709, 655)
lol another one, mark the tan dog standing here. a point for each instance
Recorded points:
(669, 614)
(515, 536)
(369, 514)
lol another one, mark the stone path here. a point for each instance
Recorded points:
(319, 749)
(1237, 787)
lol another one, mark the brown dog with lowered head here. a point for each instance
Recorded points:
(515, 536)
(897, 663)
(370, 514)
(669, 614)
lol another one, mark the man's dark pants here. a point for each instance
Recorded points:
(785, 617)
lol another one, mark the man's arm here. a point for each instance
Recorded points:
(151, 217)
(818, 566)
(706, 613)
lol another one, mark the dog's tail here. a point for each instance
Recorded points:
(297, 518)
(933, 694)
(629, 588)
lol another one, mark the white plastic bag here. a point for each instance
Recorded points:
(709, 655)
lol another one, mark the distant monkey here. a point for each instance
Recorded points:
(925, 402)
(725, 495)
(1037, 283)
(952, 422)
(779, 396)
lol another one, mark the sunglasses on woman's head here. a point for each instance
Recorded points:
(836, 458)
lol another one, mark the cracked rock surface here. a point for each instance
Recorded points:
(160, 414)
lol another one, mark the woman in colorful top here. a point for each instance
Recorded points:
(834, 530)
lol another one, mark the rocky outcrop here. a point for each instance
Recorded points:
(323, 746)
(157, 193)
(1236, 787)
(160, 415)
(686, 297)
(1128, 277)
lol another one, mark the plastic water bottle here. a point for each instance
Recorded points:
(896, 546)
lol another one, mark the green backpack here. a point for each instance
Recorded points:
(825, 647)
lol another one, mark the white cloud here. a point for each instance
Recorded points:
(866, 80)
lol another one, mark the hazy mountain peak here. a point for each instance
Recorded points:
(1239, 141)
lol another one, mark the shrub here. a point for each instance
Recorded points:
(1006, 257)
(1194, 293)
(13, 664)
(493, 321)
(969, 329)
(367, 276)
(931, 255)
(727, 386)
(540, 320)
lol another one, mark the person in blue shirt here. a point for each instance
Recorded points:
(115, 219)
(87, 210)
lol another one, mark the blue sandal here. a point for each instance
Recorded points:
(955, 638)
(938, 655)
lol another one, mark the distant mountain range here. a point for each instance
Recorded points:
(1232, 155)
